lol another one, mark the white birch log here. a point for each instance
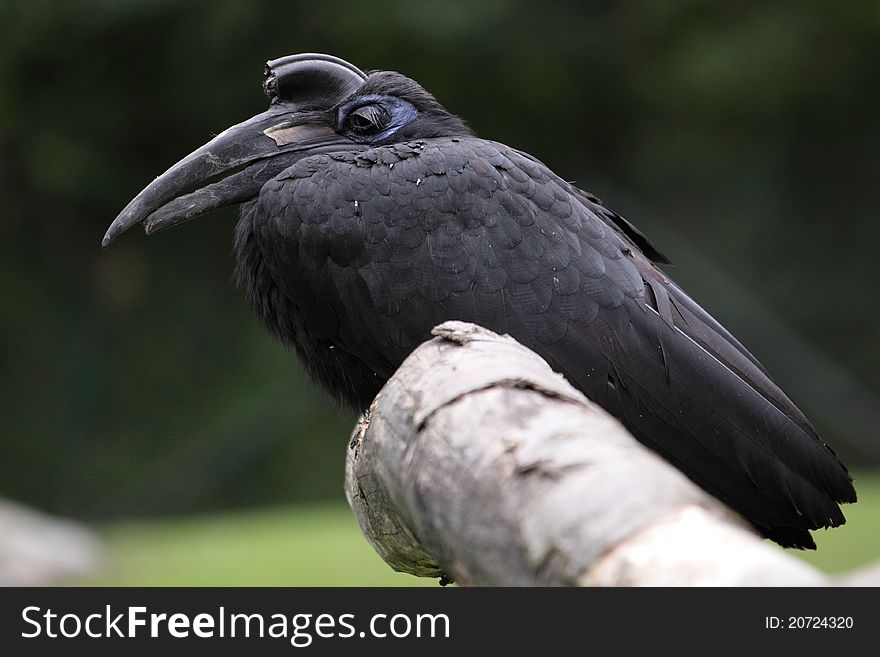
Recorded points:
(39, 550)
(478, 464)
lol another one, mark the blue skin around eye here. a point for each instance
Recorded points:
(401, 111)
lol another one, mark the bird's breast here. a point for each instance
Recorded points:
(368, 251)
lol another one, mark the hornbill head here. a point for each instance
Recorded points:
(319, 104)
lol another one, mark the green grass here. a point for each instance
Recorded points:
(856, 543)
(321, 545)
(316, 545)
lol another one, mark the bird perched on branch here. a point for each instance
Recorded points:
(370, 214)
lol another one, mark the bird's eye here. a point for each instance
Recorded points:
(369, 119)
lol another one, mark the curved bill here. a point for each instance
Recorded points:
(232, 167)
(229, 169)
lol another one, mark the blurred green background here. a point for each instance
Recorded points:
(744, 138)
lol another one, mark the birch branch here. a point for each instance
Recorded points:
(478, 464)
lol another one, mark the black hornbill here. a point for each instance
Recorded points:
(370, 214)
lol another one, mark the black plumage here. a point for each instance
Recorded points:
(379, 215)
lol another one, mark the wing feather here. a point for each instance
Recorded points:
(473, 230)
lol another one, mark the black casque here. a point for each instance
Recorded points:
(370, 214)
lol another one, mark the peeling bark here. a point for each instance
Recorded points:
(479, 464)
